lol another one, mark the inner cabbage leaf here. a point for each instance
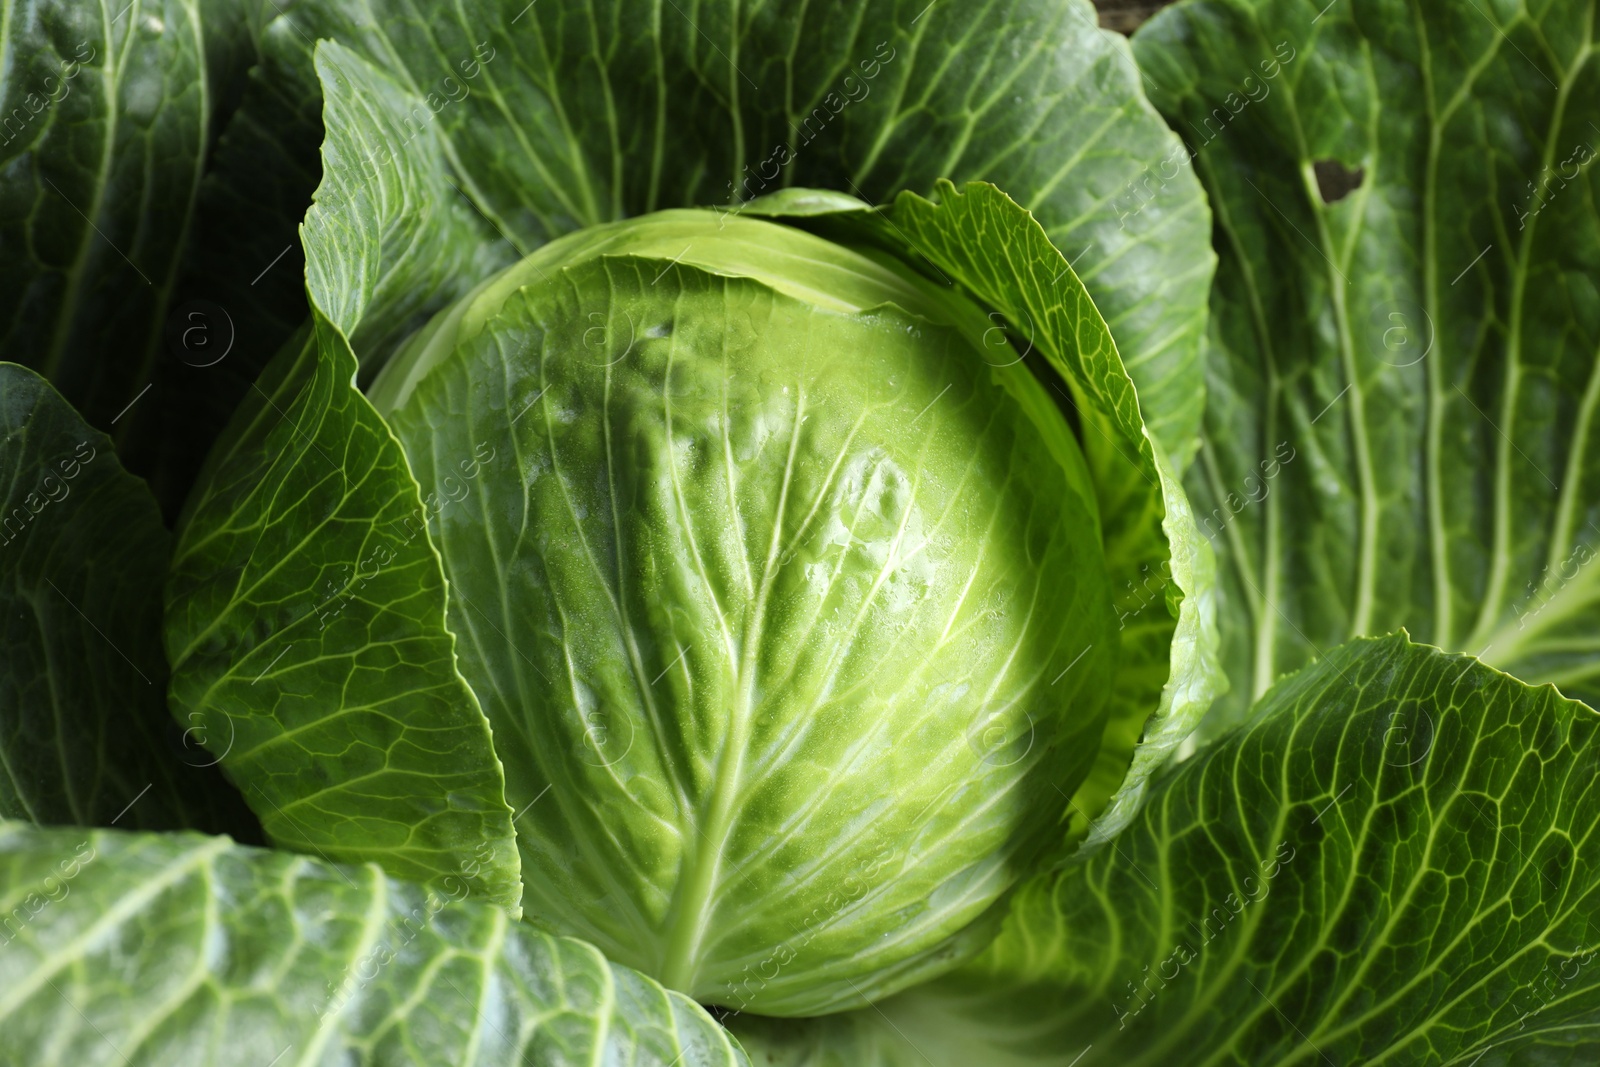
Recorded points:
(780, 580)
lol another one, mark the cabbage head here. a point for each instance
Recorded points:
(783, 593)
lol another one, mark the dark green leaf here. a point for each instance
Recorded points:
(1403, 388)
(108, 111)
(319, 668)
(101, 143)
(84, 732)
(240, 293)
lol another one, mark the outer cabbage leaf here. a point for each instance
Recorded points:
(390, 240)
(556, 116)
(105, 120)
(178, 950)
(1404, 380)
(108, 114)
(306, 608)
(84, 733)
(1393, 861)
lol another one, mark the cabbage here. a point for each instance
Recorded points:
(782, 583)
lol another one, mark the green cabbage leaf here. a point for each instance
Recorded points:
(1403, 375)
(122, 948)
(85, 737)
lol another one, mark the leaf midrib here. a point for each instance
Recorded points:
(690, 913)
(1500, 559)
(111, 82)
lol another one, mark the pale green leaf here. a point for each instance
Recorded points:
(1162, 571)
(785, 598)
(144, 950)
